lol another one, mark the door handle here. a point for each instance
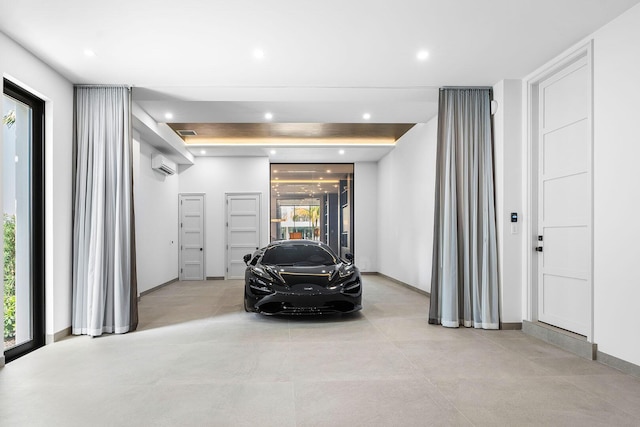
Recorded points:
(539, 249)
(200, 249)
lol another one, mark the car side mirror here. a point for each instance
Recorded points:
(247, 258)
(349, 257)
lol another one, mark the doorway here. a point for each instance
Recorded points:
(562, 182)
(313, 201)
(243, 230)
(192, 250)
(23, 220)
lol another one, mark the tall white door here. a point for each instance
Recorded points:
(565, 198)
(243, 231)
(191, 237)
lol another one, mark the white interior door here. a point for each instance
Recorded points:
(565, 199)
(243, 231)
(191, 237)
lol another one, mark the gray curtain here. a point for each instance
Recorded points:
(104, 271)
(464, 281)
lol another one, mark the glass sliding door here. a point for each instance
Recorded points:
(23, 221)
(298, 219)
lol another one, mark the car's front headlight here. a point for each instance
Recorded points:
(346, 271)
(346, 280)
(261, 281)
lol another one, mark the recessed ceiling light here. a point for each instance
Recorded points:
(268, 116)
(258, 53)
(273, 152)
(328, 170)
(203, 151)
(341, 152)
(168, 116)
(89, 53)
(422, 55)
(275, 171)
(366, 116)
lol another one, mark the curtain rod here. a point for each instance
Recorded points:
(125, 86)
(465, 87)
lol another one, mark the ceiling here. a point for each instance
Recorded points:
(320, 62)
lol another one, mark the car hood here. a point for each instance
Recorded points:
(316, 275)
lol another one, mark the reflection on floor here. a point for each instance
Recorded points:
(199, 359)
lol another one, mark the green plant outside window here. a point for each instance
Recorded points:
(9, 235)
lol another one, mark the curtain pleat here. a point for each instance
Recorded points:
(104, 280)
(464, 280)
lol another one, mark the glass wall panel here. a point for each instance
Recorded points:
(16, 215)
(314, 202)
(22, 221)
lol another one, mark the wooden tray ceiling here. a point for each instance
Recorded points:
(212, 132)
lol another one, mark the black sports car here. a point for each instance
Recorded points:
(301, 277)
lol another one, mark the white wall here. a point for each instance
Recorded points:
(508, 192)
(616, 181)
(406, 192)
(32, 74)
(156, 211)
(366, 216)
(216, 176)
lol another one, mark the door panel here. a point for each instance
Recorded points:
(564, 199)
(239, 221)
(243, 231)
(566, 96)
(564, 249)
(564, 149)
(192, 237)
(570, 316)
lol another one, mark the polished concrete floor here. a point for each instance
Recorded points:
(199, 360)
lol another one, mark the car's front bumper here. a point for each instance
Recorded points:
(310, 302)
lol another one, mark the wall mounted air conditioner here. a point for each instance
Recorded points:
(162, 164)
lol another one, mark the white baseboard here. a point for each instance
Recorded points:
(155, 288)
(50, 339)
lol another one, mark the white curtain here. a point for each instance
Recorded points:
(464, 282)
(104, 273)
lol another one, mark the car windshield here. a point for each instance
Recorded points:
(300, 255)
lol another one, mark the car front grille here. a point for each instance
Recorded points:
(327, 308)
